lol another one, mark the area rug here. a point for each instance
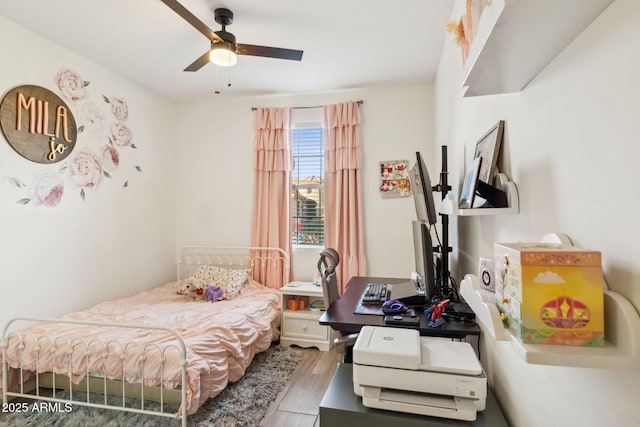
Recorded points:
(243, 403)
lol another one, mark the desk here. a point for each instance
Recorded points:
(340, 315)
(340, 406)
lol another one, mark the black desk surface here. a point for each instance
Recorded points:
(340, 315)
(340, 406)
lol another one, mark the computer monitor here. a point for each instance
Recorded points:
(423, 251)
(422, 192)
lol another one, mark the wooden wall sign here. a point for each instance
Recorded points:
(38, 124)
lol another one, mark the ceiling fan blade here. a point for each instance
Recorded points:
(199, 63)
(191, 19)
(269, 52)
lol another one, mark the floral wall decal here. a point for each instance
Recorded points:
(104, 139)
(48, 189)
(85, 169)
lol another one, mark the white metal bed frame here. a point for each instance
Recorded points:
(190, 258)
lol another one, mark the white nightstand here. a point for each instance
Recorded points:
(301, 327)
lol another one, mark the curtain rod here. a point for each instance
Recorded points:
(360, 102)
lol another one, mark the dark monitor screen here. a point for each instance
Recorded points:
(422, 192)
(423, 251)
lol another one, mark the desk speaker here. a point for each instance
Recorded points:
(486, 273)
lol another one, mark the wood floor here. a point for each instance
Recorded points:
(297, 405)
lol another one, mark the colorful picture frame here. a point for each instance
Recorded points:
(394, 175)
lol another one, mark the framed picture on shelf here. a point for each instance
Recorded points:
(488, 148)
(470, 184)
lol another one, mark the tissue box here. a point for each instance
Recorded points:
(550, 294)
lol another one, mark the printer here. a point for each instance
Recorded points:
(398, 370)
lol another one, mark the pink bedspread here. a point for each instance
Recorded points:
(221, 340)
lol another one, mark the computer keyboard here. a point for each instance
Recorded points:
(375, 294)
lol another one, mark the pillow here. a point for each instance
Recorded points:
(228, 279)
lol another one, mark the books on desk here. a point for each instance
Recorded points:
(317, 305)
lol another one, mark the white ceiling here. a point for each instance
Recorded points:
(347, 43)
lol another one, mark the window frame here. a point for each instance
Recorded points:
(296, 215)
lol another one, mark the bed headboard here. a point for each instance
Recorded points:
(269, 266)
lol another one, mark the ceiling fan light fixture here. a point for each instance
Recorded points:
(224, 49)
(223, 54)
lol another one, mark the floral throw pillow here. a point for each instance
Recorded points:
(228, 279)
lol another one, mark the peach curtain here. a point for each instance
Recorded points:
(271, 218)
(343, 203)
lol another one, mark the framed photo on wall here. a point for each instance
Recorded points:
(394, 176)
(488, 147)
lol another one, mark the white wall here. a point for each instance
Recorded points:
(195, 186)
(118, 240)
(215, 176)
(571, 148)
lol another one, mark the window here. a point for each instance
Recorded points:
(308, 186)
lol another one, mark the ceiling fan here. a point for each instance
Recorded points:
(223, 44)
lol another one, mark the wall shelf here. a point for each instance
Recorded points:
(502, 183)
(516, 39)
(622, 323)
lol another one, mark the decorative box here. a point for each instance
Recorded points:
(550, 294)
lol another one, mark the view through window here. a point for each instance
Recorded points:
(308, 186)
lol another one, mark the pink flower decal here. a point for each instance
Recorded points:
(120, 135)
(48, 189)
(70, 84)
(85, 169)
(119, 109)
(92, 115)
(110, 158)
